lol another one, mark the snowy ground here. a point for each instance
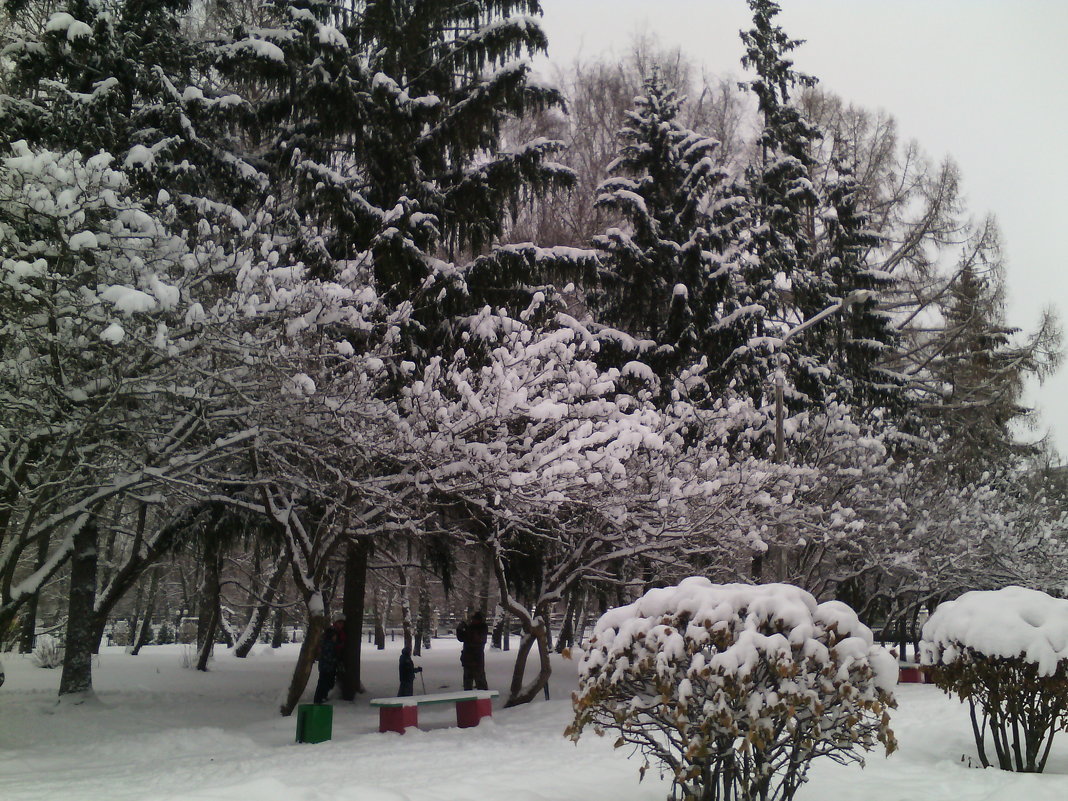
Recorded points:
(160, 731)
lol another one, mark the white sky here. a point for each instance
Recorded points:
(982, 81)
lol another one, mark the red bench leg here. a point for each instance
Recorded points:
(397, 718)
(911, 675)
(469, 713)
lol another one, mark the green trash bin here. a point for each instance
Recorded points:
(314, 722)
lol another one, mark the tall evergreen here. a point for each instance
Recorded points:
(982, 372)
(666, 278)
(782, 207)
(810, 247)
(386, 116)
(861, 346)
(126, 78)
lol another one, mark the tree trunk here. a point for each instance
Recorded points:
(251, 634)
(141, 635)
(536, 633)
(421, 618)
(210, 612)
(77, 678)
(484, 585)
(309, 651)
(380, 627)
(29, 622)
(279, 630)
(580, 619)
(406, 609)
(498, 629)
(566, 637)
(355, 586)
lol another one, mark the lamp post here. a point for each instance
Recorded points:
(778, 554)
(842, 304)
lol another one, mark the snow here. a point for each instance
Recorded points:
(128, 300)
(257, 47)
(83, 240)
(624, 632)
(113, 334)
(159, 732)
(65, 23)
(1014, 621)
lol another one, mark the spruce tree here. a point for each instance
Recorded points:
(810, 248)
(385, 118)
(782, 202)
(982, 372)
(125, 77)
(861, 346)
(665, 279)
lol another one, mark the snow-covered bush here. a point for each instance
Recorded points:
(734, 688)
(48, 653)
(1006, 653)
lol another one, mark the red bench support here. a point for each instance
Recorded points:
(397, 718)
(469, 713)
(911, 674)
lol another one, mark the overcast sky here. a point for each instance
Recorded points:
(982, 81)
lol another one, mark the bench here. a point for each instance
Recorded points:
(397, 714)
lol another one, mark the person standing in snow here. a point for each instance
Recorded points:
(407, 673)
(473, 635)
(330, 650)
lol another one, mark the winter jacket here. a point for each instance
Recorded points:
(330, 650)
(407, 669)
(473, 636)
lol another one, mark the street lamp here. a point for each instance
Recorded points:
(842, 304)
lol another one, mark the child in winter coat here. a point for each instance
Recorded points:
(407, 673)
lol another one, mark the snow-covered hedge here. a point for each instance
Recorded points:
(736, 688)
(1006, 653)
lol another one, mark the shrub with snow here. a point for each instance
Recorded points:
(48, 653)
(734, 688)
(1006, 653)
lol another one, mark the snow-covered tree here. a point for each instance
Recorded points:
(782, 203)
(534, 457)
(385, 118)
(668, 274)
(735, 689)
(103, 378)
(126, 77)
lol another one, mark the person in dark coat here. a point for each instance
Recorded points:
(407, 672)
(473, 635)
(330, 650)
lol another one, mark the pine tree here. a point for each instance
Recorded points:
(665, 279)
(810, 251)
(385, 116)
(861, 346)
(782, 203)
(983, 371)
(124, 77)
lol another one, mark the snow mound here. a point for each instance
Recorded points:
(1005, 623)
(798, 621)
